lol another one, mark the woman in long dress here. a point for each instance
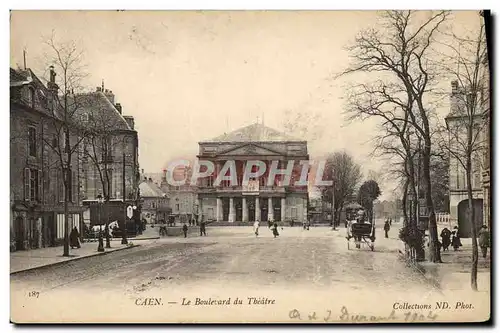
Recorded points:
(455, 240)
(73, 238)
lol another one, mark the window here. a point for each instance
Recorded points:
(32, 141)
(31, 97)
(294, 212)
(54, 142)
(177, 207)
(32, 184)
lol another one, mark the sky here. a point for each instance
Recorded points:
(191, 76)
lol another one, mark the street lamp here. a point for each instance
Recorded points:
(100, 201)
(125, 229)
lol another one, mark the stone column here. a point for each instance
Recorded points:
(257, 209)
(283, 209)
(245, 209)
(219, 209)
(270, 210)
(200, 210)
(231, 210)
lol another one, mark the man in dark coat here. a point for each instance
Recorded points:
(275, 229)
(387, 227)
(185, 230)
(484, 240)
(445, 238)
(73, 238)
(203, 230)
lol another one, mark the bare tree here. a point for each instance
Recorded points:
(346, 175)
(102, 141)
(469, 116)
(399, 53)
(66, 61)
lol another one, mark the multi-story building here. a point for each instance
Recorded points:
(36, 175)
(457, 127)
(109, 156)
(232, 202)
(487, 142)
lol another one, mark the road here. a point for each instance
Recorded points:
(232, 261)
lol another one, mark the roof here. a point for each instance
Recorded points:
(150, 189)
(20, 77)
(104, 113)
(253, 133)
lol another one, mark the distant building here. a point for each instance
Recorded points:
(235, 203)
(154, 202)
(183, 199)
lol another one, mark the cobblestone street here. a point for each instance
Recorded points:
(232, 261)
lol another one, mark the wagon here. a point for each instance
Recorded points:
(360, 232)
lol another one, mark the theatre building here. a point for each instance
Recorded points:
(232, 202)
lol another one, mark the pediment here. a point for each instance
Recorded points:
(249, 149)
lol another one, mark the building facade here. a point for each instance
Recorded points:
(183, 199)
(109, 155)
(155, 203)
(36, 175)
(231, 202)
(455, 121)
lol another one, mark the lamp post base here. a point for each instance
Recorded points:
(100, 247)
(124, 241)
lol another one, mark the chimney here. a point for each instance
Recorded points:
(454, 87)
(109, 94)
(150, 179)
(130, 121)
(118, 106)
(52, 81)
(98, 89)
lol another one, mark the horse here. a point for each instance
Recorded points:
(96, 229)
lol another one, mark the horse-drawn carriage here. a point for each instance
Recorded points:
(359, 229)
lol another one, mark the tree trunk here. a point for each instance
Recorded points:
(67, 187)
(66, 223)
(471, 216)
(434, 249)
(404, 202)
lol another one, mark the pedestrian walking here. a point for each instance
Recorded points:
(74, 238)
(185, 229)
(203, 230)
(387, 227)
(275, 229)
(455, 240)
(256, 228)
(445, 238)
(484, 240)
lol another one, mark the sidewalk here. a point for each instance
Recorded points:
(21, 261)
(455, 271)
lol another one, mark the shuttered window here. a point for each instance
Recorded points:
(32, 141)
(32, 184)
(27, 188)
